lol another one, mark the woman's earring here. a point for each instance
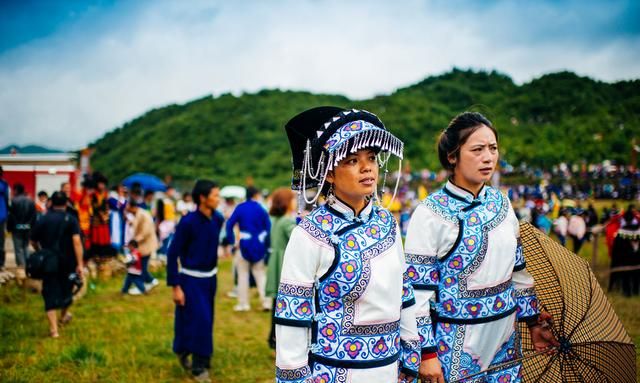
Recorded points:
(331, 197)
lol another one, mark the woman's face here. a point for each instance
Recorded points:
(477, 159)
(355, 177)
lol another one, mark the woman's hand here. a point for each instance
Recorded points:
(404, 378)
(431, 371)
(541, 336)
(178, 296)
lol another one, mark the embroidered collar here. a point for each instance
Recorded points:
(463, 194)
(347, 212)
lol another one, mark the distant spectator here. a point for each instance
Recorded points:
(254, 224)
(59, 232)
(22, 217)
(146, 202)
(100, 234)
(4, 212)
(560, 226)
(186, 205)
(543, 222)
(577, 228)
(134, 271)
(144, 233)
(195, 249)
(282, 212)
(41, 203)
(65, 187)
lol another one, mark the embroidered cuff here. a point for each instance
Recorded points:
(520, 261)
(422, 271)
(527, 303)
(410, 357)
(425, 329)
(296, 375)
(294, 305)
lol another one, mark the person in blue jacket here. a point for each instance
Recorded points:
(195, 246)
(254, 223)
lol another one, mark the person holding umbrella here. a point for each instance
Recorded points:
(467, 265)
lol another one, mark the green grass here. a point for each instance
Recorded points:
(126, 339)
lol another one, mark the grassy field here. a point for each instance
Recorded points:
(126, 339)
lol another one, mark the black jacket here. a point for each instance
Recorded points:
(22, 214)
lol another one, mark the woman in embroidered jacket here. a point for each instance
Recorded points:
(467, 266)
(345, 309)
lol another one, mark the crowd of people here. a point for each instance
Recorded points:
(352, 293)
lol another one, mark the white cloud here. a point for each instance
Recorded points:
(72, 87)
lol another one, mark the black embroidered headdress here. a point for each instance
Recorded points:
(323, 136)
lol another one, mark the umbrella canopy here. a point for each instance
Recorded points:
(594, 346)
(233, 191)
(148, 182)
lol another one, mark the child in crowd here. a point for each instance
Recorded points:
(134, 270)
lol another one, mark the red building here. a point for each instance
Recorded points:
(40, 171)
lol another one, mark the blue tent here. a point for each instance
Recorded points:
(148, 182)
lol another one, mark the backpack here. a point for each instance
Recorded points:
(46, 261)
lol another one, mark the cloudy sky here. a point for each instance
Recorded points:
(70, 71)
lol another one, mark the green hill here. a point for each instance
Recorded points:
(559, 117)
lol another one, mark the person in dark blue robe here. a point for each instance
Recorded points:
(195, 248)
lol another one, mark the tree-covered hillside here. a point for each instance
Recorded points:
(559, 117)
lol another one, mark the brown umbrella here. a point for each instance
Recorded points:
(594, 346)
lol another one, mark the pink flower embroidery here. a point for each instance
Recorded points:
(473, 309)
(446, 327)
(332, 290)
(329, 331)
(304, 309)
(333, 306)
(380, 347)
(281, 305)
(326, 221)
(322, 378)
(353, 348)
(351, 243)
(373, 231)
(498, 304)
(449, 281)
(471, 242)
(412, 273)
(353, 127)
(449, 307)
(434, 275)
(473, 219)
(442, 348)
(456, 262)
(349, 269)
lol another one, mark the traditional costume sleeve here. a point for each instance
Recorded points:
(409, 337)
(176, 248)
(422, 270)
(294, 308)
(526, 299)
